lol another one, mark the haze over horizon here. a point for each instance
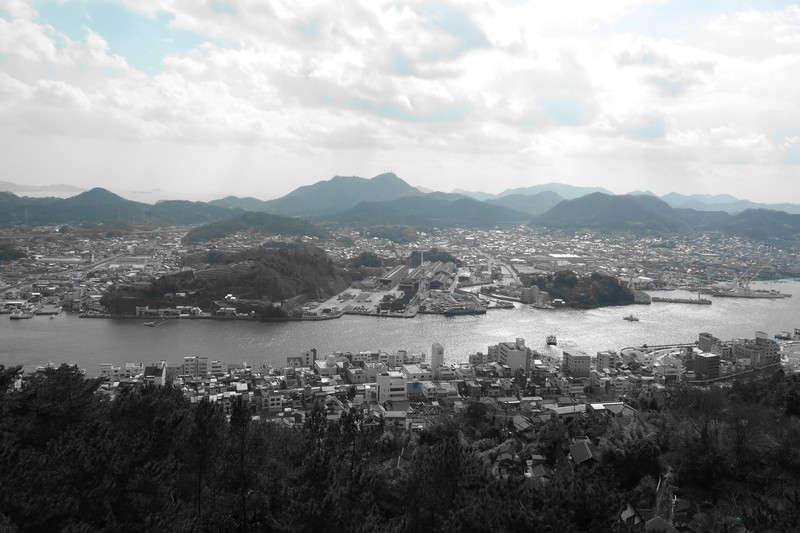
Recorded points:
(157, 99)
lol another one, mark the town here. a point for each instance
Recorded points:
(513, 398)
(511, 378)
(75, 268)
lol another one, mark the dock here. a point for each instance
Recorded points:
(696, 301)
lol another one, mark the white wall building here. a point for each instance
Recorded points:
(391, 387)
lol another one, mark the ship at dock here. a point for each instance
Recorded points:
(464, 311)
(21, 314)
(697, 301)
(740, 288)
(747, 292)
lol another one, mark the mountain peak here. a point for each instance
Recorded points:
(387, 176)
(95, 196)
(339, 194)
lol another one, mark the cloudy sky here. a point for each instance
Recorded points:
(204, 98)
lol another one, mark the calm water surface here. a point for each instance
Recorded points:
(90, 342)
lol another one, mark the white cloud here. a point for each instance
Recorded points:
(460, 91)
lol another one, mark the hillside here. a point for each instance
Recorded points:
(339, 194)
(100, 206)
(261, 275)
(723, 202)
(533, 204)
(254, 223)
(763, 224)
(597, 290)
(606, 213)
(424, 212)
(646, 215)
(234, 202)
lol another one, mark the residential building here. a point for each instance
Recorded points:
(391, 387)
(514, 355)
(437, 358)
(707, 366)
(156, 375)
(113, 372)
(607, 360)
(417, 372)
(305, 359)
(195, 366)
(577, 364)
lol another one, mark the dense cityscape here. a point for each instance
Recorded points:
(399, 266)
(516, 393)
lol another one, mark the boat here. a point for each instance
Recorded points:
(551, 340)
(20, 314)
(630, 318)
(698, 300)
(747, 292)
(150, 324)
(464, 311)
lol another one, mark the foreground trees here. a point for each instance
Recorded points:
(72, 460)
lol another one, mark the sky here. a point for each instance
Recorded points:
(201, 99)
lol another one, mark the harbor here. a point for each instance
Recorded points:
(91, 342)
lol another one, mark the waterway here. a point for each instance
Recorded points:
(91, 342)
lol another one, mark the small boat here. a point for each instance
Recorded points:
(630, 318)
(551, 340)
(150, 324)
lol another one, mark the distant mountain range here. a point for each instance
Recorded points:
(604, 212)
(99, 206)
(431, 211)
(569, 192)
(388, 201)
(643, 214)
(59, 187)
(339, 194)
(533, 204)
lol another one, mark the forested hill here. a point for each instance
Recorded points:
(717, 460)
(338, 194)
(648, 215)
(587, 292)
(100, 206)
(267, 275)
(263, 223)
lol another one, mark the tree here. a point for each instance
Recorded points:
(203, 441)
(240, 426)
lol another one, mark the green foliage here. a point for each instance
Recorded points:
(262, 275)
(397, 234)
(367, 259)
(632, 453)
(9, 253)
(254, 223)
(149, 460)
(597, 290)
(432, 255)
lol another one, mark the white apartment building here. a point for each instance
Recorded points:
(391, 387)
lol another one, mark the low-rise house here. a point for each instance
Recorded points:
(582, 451)
(395, 419)
(568, 412)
